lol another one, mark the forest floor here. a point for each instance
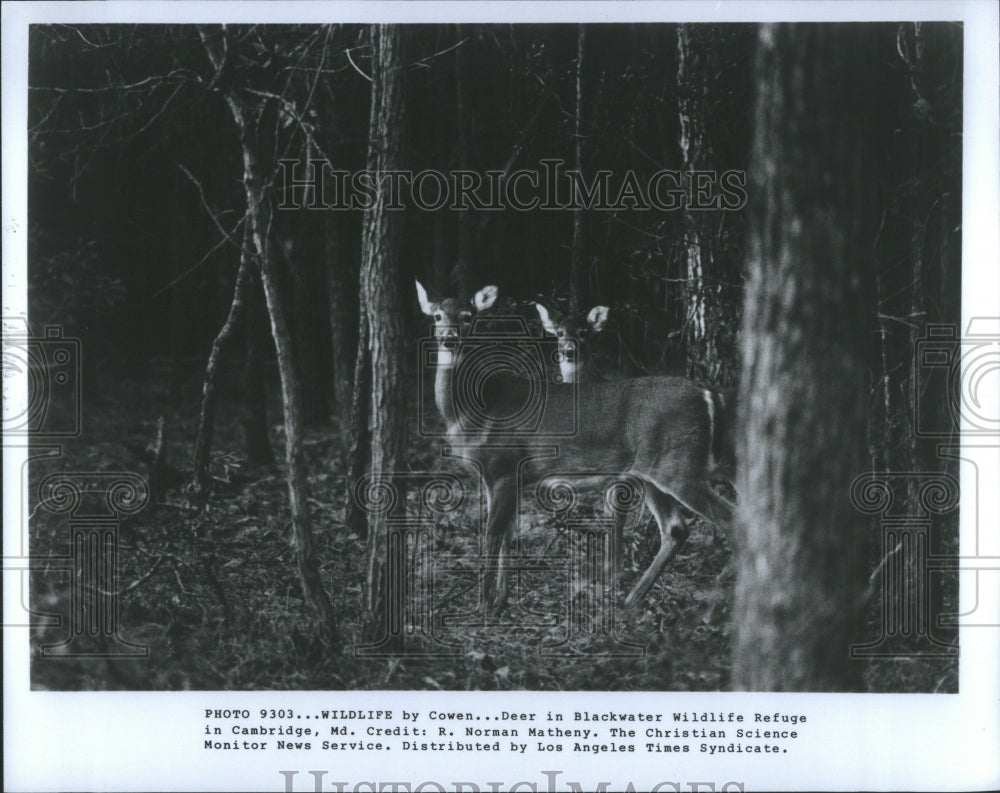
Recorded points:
(213, 595)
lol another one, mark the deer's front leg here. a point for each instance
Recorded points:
(499, 525)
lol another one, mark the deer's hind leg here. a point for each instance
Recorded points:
(673, 534)
(502, 502)
(699, 497)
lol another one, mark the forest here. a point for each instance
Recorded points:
(354, 314)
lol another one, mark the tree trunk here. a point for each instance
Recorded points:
(932, 165)
(258, 207)
(342, 290)
(442, 250)
(180, 299)
(359, 454)
(206, 420)
(576, 265)
(380, 280)
(466, 251)
(802, 571)
(693, 65)
(310, 323)
(259, 215)
(257, 443)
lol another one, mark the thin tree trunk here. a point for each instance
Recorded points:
(342, 290)
(359, 454)
(465, 252)
(442, 250)
(802, 570)
(934, 158)
(206, 419)
(180, 300)
(258, 207)
(256, 440)
(695, 152)
(309, 322)
(259, 216)
(576, 267)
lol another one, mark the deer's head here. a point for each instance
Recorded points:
(573, 333)
(453, 317)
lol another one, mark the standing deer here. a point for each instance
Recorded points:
(575, 337)
(660, 430)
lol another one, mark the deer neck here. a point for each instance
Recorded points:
(444, 396)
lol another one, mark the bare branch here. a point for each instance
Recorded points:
(347, 52)
(425, 60)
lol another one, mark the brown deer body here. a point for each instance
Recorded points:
(659, 430)
(575, 336)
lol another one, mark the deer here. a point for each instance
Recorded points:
(661, 431)
(575, 334)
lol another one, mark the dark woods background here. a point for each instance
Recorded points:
(154, 182)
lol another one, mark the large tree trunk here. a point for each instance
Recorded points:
(802, 571)
(382, 310)
(380, 284)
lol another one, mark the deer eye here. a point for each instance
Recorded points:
(465, 317)
(560, 333)
(437, 316)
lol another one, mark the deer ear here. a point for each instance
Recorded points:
(485, 297)
(547, 322)
(425, 303)
(597, 317)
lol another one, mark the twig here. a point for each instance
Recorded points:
(423, 61)
(227, 236)
(214, 217)
(135, 584)
(347, 52)
(869, 593)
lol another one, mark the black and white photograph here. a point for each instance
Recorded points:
(468, 391)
